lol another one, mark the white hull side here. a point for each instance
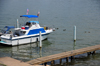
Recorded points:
(21, 41)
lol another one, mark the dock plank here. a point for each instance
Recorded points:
(63, 55)
(13, 62)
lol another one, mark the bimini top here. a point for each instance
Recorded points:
(34, 22)
(9, 27)
(29, 16)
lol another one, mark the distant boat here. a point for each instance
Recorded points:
(25, 34)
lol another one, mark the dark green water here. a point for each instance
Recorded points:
(62, 14)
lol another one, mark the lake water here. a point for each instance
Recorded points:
(61, 14)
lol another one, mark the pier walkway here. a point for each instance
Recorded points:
(88, 50)
(7, 61)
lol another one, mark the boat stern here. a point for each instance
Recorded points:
(6, 42)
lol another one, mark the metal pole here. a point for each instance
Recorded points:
(40, 40)
(74, 33)
(17, 24)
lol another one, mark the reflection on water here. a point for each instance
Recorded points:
(23, 52)
(74, 44)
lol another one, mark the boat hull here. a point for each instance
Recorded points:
(24, 40)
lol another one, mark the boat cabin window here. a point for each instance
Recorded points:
(33, 23)
(23, 32)
(29, 24)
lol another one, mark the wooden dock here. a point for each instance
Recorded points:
(7, 61)
(88, 50)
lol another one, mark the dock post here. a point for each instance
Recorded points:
(40, 40)
(45, 64)
(93, 52)
(52, 62)
(60, 61)
(74, 33)
(88, 53)
(67, 59)
(72, 57)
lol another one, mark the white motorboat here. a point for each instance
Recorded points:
(25, 34)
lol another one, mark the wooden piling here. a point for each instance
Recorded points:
(67, 59)
(72, 57)
(52, 62)
(88, 53)
(93, 52)
(60, 60)
(45, 64)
